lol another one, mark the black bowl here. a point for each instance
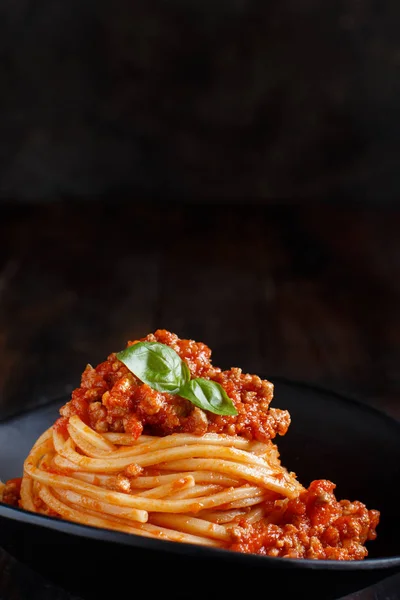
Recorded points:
(330, 437)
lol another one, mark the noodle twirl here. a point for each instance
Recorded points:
(158, 442)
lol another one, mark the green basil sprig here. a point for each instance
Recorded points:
(163, 369)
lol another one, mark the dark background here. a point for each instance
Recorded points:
(217, 99)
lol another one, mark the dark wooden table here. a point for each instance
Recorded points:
(309, 292)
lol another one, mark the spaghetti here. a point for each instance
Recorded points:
(125, 456)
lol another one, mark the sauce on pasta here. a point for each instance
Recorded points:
(125, 456)
(111, 398)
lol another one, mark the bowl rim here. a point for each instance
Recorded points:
(174, 548)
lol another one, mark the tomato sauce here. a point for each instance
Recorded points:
(12, 491)
(111, 398)
(314, 525)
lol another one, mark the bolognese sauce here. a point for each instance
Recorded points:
(314, 525)
(111, 398)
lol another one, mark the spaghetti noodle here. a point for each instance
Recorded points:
(125, 456)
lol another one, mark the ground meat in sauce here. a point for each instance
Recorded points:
(111, 398)
(314, 526)
(12, 491)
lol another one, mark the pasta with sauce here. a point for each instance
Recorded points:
(158, 442)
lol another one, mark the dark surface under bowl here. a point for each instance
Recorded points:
(330, 437)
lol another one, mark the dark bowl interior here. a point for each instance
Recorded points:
(330, 437)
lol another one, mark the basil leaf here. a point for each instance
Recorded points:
(157, 365)
(162, 369)
(208, 395)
